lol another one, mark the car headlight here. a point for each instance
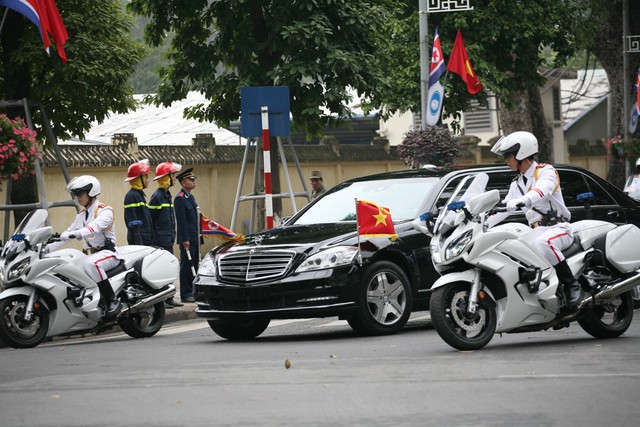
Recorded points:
(207, 266)
(17, 270)
(329, 258)
(456, 247)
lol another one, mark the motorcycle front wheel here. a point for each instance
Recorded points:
(145, 323)
(609, 320)
(17, 332)
(459, 329)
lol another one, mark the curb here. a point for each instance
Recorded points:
(176, 314)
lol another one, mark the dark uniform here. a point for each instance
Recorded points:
(186, 210)
(136, 209)
(163, 219)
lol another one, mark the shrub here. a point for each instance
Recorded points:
(434, 145)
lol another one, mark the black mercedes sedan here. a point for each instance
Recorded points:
(315, 265)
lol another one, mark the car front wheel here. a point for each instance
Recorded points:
(384, 300)
(239, 330)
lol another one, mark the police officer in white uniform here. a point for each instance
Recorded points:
(632, 187)
(94, 226)
(536, 190)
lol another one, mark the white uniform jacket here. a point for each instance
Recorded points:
(539, 188)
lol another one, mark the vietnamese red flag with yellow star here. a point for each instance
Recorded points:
(459, 64)
(374, 220)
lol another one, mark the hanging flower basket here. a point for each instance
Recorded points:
(19, 149)
(618, 148)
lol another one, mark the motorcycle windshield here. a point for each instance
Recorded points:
(34, 220)
(467, 188)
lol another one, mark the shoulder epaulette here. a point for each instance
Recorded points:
(541, 165)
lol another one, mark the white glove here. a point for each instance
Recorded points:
(514, 204)
(68, 235)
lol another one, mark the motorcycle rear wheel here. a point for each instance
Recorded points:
(14, 330)
(145, 323)
(448, 308)
(609, 321)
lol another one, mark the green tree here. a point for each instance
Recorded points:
(507, 42)
(318, 48)
(101, 57)
(601, 34)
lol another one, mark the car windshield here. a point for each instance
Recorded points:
(402, 196)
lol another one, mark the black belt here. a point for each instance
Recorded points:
(92, 251)
(543, 223)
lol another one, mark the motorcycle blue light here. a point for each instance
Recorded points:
(425, 216)
(18, 237)
(583, 196)
(454, 206)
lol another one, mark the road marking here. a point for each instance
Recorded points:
(281, 322)
(334, 323)
(171, 330)
(545, 376)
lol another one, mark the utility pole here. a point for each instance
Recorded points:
(424, 8)
(625, 78)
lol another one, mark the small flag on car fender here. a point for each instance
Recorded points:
(374, 220)
(209, 227)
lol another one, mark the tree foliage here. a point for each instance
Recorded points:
(319, 48)
(101, 57)
(507, 43)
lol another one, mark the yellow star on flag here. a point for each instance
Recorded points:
(381, 218)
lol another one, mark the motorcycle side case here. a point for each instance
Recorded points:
(160, 268)
(589, 230)
(621, 248)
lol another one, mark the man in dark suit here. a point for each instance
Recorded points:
(187, 221)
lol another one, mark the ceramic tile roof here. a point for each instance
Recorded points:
(160, 125)
(580, 95)
(87, 155)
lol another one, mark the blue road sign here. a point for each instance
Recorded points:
(252, 99)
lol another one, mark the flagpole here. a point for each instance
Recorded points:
(4, 18)
(358, 232)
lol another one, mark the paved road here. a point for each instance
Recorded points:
(186, 375)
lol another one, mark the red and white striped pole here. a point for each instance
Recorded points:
(266, 148)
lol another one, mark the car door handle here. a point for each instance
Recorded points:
(614, 214)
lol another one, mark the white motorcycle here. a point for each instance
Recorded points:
(49, 294)
(492, 281)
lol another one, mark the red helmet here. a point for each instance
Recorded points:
(138, 169)
(165, 169)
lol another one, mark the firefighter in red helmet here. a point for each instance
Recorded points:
(136, 211)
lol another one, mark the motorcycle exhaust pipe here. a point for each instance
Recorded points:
(149, 301)
(611, 291)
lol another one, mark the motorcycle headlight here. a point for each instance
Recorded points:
(329, 258)
(17, 270)
(435, 253)
(456, 247)
(207, 266)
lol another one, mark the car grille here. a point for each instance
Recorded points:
(253, 266)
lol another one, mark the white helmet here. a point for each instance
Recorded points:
(638, 162)
(84, 184)
(522, 144)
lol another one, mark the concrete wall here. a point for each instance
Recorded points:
(215, 191)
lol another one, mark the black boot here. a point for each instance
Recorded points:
(572, 289)
(111, 303)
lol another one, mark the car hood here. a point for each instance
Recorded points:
(299, 236)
